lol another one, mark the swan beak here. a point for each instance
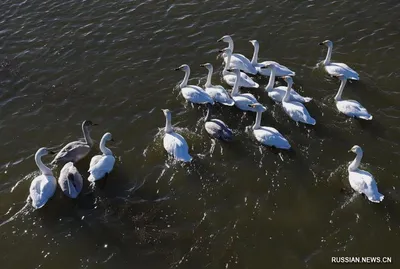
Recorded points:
(176, 69)
(95, 124)
(202, 65)
(349, 150)
(219, 40)
(321, 44)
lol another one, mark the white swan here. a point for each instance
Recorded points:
(76, 150)
(336, 69)
(193, 93)
(217, 92)
(242, 100)
(295, 110)
(280, 70)
(238, 61)
(230, 78)
(217, 128)
(101, 165)
(267, 136)
(361, 181)
(278, 93)
(42, 187)
(70, 180)
(174, 143)
(350, 108)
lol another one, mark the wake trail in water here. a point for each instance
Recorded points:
(22, 210)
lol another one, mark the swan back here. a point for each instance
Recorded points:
(70, 180)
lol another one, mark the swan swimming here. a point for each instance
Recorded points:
(350, 108)
(193, 93)
(238, 61)
(242, 100)
(101, 165)
(217, 92)
(76, 150)
(336, 69)
(278, 93)
(267, 136)
(295, 110)
(70, 180)
(217, 128)
(262, 68)
(44, 186)
(360, 180)
(230, 78)
(174, 143)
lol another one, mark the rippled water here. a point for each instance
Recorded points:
(239, 206)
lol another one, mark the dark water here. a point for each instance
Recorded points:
(240, 206)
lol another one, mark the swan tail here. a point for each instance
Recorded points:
(312, 121)
(255, 85)
(307, 99)
(227, 135)
(377, 198)
(366, 117)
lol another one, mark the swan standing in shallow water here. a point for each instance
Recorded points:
(217, 92)
(238, 61)
(70, 180)
(337, 69)
(230, 78)
(295, 110)
(217, 128)
(361, 181)
(278, 93)
(76, 150)
(280, 70)
(350, 108)
(42, 187)
(193, 93)
(242, 100)
(267, 136)
(101, 165)
(174, 143)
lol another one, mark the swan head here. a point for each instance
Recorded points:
(44, 151)
(167, 113)
(288, 79)
(327, 43)
(258, 107)
(107, 137)
(225, 38)
(89, 123)
(254, 42)
(207, 65)
(356, 149)
(183, 67)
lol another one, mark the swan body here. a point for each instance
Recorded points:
(76, 150)
(217, 128)
(350, 108)
(337, 69)
(101, 165)
(70, 180)
(217, 92)
(362, 181)
(280, 70)
(277, 93)
(193, 93)
(230, 78)
(44, 186)
(242, 100)
(267, 136)
(238, 61)
(174, 143)
(295, 110)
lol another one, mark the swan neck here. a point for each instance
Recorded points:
(208, 115)
(209, 76)
(254, 59)
(235, 89)
(356, 162)
(271, 80)
(286, 98)
(86, 135)
(103, 148)
(43, 168)
(258, 120)
(338, 95)
(185, 79)
(228, 62)
(328, 55)
(168, 126)
(230, 45)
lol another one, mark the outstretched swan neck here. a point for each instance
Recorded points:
(271, 80)
(254, 59)
(338, 95)
(328, 55)
(43, 168)
(168, 126)
(258, 120)
(356, 162)
(235, 90)
(286, 98)
(185, 79)
(209, 76)
(103, 148)
(86, 134)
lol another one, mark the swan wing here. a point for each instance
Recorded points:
(218, 129)
(336, 69)
(271, 137)
(242, 102)
(103, 166)
(280, 70)
(241, 62)
(353, 108)
(196, 95)
(72, 152)
(177, 147)
(298, 112)
(70, 180)
(363, 182)
(220, 95)
(279, 92)
(245, 80)
(41, 190)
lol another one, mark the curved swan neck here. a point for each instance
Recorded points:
(286, 98)
(230, 45)
(338, 96)
(271, 80)
(209, 76)
(235, 89)
(208, 115)
(103, 148)
(228, 62)
(168, 126)
(254, 59)
(258, 120)
(328, 55)
(43, 168)
(356, 162)
(185, 79)
(86, 135)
